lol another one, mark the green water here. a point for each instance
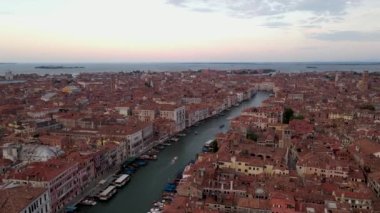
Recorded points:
(148, 182)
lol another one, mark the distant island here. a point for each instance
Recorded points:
(58, 67)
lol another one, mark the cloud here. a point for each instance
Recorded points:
(203, 10)
(5, 13)
(254, 8)
(178, 3)
(334, 7)
(308, 48)
(347, 36)
(276, 24)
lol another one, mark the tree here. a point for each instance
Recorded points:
(2, 130)
(214, 146)
(288, 114)
(368, 107)
(251, 135)
(297, 117)
(147, 84)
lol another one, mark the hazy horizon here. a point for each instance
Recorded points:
(199, 62)
(177, 31)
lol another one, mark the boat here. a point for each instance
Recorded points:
(155, 210)
(122, 180)
(207, 147)
(168, 194)
(152, 152)
(174, 139)
(167, 198)
(88, 202)
(129, 172)
(181, 134)
(148, 157)
(161, 147)
(71, 209)
(170, 187)
(166, 144)
(107, 193)
(174, 159)
(141, 162)
(221, 126)
(144, 157)
(158, 204)
(135, 165)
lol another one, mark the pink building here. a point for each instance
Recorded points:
(59, 176)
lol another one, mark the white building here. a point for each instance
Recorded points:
(174, 113)
(9, 76)
(30, 152)
(135, 140)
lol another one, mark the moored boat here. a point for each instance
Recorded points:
(107, 193)
(174, 139)
(88, 202)
(166, 144)
(122, 180)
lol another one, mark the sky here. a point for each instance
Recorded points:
(189, 30)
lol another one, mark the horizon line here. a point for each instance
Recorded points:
(193, 62)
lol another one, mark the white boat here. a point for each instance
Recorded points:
(88, 202)
(174, 139)
(174, 159)
(148, 157)
(122, 180)
(107, 193)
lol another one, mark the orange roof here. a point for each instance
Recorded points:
(15, 199)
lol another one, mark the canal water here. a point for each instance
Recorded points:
(148, 182)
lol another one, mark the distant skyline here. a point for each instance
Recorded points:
(72, 31)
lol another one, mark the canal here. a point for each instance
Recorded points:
(148, 182)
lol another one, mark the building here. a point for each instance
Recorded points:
(58, 176)
(195, 113)
(175, 113)
(24, 199)
(322, 165)
(9, 76)
(146, 112)
(363, 84)
(374, 182)
(270, 114)
(30, 152)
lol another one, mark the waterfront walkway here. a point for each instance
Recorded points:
(93, 188)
